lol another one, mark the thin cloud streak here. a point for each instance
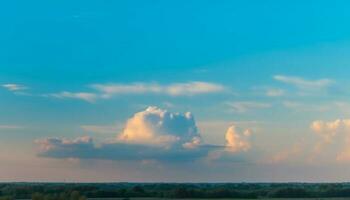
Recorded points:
(245, 106)
(303, 83)
(107, 91)
(14, 87)
(175, 89)
(10, 127)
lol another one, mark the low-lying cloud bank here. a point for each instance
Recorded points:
(84, 148)
(152, 134)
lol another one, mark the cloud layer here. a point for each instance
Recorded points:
(152, 134)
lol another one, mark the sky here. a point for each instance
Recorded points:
(174, 91)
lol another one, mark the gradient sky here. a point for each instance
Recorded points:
(192, 91)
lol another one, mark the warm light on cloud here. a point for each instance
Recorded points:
(327, 130)
(336, 133)
(159, 127)
(237, 141)
(152, 134)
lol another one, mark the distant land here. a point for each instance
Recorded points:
(81, 191)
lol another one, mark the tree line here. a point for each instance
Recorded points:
(82, 191)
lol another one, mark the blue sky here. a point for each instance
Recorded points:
(85, 84)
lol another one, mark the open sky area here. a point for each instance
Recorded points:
(175, 90)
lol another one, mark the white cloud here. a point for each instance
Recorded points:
(193, 88)
(303, 83)
(237, 141)
(14, 87)
(106, 91)
(245, 106)
(152, 134)
(109, 90)
(159, 127)
(175, 89)
(85, 96)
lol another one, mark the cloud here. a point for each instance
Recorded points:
(273, 92)
(245, 106)
(152, 134)
(14, 87)
(84, 148)
(237, 141)
(303, 107)
(175, 89)
(303, 83)
(336, 133)
(268, 91)
(10, 127)
(155, 126)
(85, 96)
(64, 148)
(107, 91)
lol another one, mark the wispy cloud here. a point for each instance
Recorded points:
(10, 127)
(175, 89)
(303, 107)
(268, 91)
(85, 96)
(245, 106)
(273, 92)
(303, 83)
(14, 87)
(106, 91)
